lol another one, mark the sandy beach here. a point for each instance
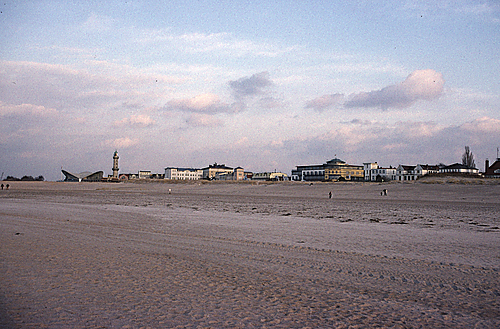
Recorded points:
(240, 255)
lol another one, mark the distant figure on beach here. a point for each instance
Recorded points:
(7, 187)
(330, 195)
(384, 192)
(2, 186)
(169, 191)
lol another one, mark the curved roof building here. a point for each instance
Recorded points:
(86, 176)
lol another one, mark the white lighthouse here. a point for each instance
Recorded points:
(115, 165)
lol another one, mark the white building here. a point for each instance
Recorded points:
(458, 168)
(144, 174)
(408, 173)
(367, 167)
(183, 173)
(421, 170)
(374, 173)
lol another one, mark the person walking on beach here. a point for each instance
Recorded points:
(2, 186)
(330, 195)
(7, 187)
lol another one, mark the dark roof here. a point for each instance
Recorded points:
(218, 166)
(183, 169)
(310, 167)
(458, 166)
(491, 169)
(335, 160)
(429, 167)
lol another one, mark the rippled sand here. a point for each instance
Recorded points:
(226, 255)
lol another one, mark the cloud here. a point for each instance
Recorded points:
(270, 103)
(25, 109)
(405, 142)
(225, 44)
(120, 143)
(360, 122)
(421, 84)
(250, 86)
(203, 120)
(204, 103)
(324, 102)
(483, 125)
(200, 103)
(135, 120)
(100, 85)
(242, 141)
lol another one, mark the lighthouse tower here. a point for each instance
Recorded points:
(115, 165)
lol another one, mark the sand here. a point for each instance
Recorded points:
(227, 255)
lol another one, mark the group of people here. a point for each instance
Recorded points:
(6, 187)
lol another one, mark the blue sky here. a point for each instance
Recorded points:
(263, 85)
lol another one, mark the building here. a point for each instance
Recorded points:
(422, 170)
(409, 173)
(334, 169)
(492, 171)
(124, 177)
(458, 168)
(210, 171)
(86, 176)
(405, 173)
(270, 176)
(115, 166)
(308, 173)
(374, 173)
(144, 174)
(337, 169)
(237, 174)
(183, 173)
(367, 167)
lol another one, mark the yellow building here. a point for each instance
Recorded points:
(337, 169)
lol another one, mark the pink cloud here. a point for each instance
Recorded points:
(203, 120)
(324, 102)
(421, 84)
(25, 109)
(484, 124)
(201, 103)
(123, 142)
(135, 120)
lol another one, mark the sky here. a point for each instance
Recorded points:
(264, 85)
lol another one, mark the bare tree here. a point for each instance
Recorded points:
(468, 158)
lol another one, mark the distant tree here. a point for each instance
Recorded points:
(468, 158)
(25, 178)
